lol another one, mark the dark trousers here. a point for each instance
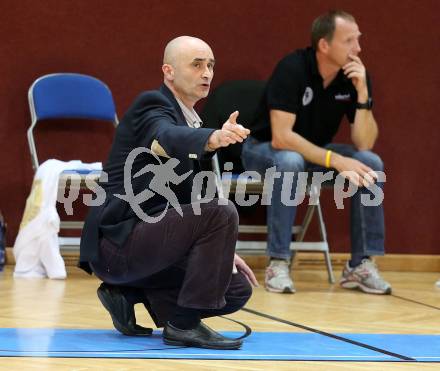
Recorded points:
(180, 260)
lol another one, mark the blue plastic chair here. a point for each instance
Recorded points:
(64, 96)
(68, 95)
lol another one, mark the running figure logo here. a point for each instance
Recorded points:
(164, 174)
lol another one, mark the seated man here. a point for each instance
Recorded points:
(146, 242)
(306, 98)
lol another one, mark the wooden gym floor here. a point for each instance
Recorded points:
(413, 309)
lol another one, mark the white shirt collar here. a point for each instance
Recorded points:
(192, 118)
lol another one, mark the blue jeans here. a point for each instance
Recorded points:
(367, 222)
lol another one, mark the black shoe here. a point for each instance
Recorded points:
(201, 337)
(121, 311)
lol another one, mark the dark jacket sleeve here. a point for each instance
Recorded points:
(157, 128)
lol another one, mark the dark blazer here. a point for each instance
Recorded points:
(154, 121)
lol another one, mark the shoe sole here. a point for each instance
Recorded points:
(286, 290)
(192, 344)
(357, 285)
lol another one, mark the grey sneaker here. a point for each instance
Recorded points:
(365, 277)
(277, 278)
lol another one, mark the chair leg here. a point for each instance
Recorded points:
(322, 230)
(218, 178)
(328, 263)
(323, 234)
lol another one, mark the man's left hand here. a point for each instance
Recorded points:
(244, 268)
(355, 70)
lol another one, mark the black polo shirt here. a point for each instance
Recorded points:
(297, 87)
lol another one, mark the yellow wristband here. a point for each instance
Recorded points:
(327, 158)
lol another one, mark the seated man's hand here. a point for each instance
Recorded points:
(244, 268)
(355, 171)
(355, 70)
(230, 133)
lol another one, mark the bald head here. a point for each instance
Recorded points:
(181, 46)
(188, 68)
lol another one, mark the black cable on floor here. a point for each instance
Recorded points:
(333, 336)
(415, 301)
(247, 329)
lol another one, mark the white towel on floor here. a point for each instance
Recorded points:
(36, 247)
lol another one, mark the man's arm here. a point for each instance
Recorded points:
(155, 127)
(283, 138)
(364, 130)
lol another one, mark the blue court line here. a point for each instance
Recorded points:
(74, 343)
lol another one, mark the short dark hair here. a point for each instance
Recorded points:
(323, 27)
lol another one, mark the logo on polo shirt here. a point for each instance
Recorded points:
(343, 97)
(308, 96)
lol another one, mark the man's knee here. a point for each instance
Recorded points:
(221, 216)
(289, 161)
(236, 297)
(238, 294)
(245, 291)
(219, 208)
(229, 211)
(370, 159)
(239, 288)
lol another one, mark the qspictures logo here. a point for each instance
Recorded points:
(290, 188)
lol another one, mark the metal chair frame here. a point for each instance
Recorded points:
(259, 247)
